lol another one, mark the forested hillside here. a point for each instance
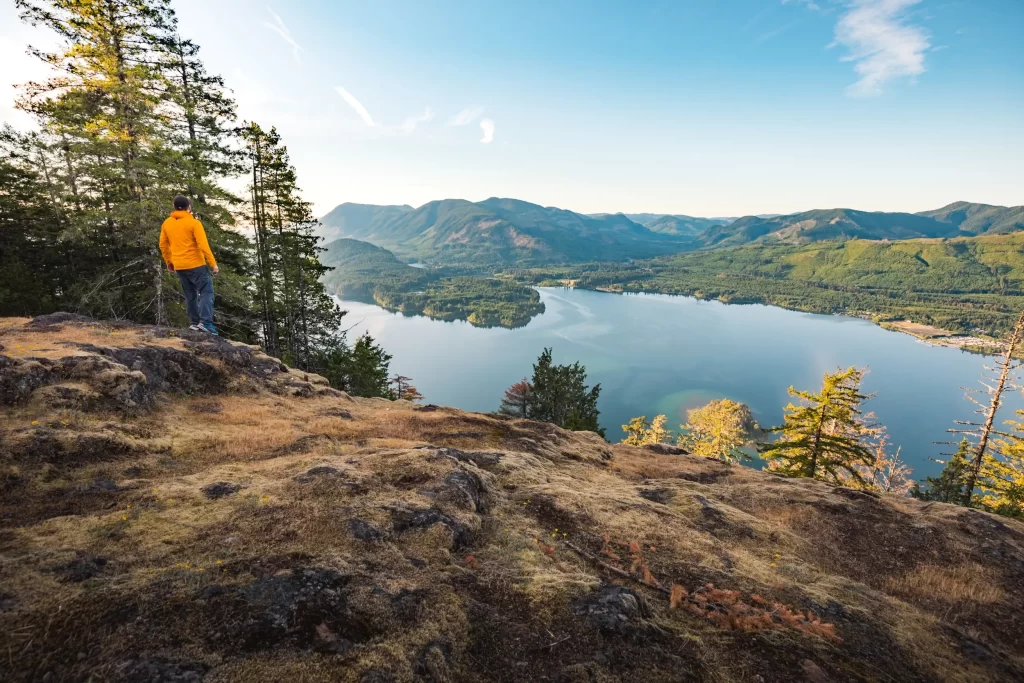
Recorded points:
(510, 232)
(499, 232)
(363, 272)
(956, 220)
(978, 219)
(128, 119)
(963, 284)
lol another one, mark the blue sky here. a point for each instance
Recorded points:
(699, 107)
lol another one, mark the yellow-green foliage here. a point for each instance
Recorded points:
(823, 436)
(719, 430)
(1002, 478)
(640, 432)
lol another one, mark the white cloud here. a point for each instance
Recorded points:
(280, 29)
(810, 3)
(409, 125)
(356, 105)
(487, 126)
(881, 42)
(467, 116)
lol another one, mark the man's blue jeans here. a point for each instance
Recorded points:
(197, 283)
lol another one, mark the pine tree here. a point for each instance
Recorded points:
(33, 257)
(1002, 474)
(129, 120)
(720, 430)
(636, 431)
(640, 432)
(104, 108)
(561, 396)
(948, 487)
(517, 399)
(658, 433)
(822, 436)
(360, 370)
(983, 433)
(298, 319)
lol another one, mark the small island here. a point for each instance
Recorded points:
(364, 272)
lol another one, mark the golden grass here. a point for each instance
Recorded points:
(969, 583)
(738, 528)
(24, 342)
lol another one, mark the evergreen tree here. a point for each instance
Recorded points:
(1002, 474)
(640, 432)
(1001, 379)
(129, 119)
(822, 437)
(103, 108)
(299, 321)
(720, 430)
(636, 431)
(517, 399)
(33, 257)
(360, 370)
(561, 396)
(948, 487)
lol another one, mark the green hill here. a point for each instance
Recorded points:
(347, 218)
(978, 219)
(671, 224)
(967, 284)
(364, 272)
(818, 225)
(501, 232)
(513, 233)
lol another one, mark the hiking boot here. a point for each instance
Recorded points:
(208, 327)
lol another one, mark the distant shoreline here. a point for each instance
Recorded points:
(936, 336)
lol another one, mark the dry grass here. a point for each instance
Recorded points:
(25, 342)
(963, 584)
(490, 592)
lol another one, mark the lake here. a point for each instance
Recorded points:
(667, 354)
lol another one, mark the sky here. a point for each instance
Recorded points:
(698, 107)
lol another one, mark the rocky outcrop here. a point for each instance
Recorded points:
(128, 377)
(175, 507)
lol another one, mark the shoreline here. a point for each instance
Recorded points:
(935, 336)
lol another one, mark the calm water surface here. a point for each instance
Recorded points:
(667, 354)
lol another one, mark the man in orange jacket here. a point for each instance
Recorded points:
(187, 253)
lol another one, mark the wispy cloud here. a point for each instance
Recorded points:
(881, 42)
(278, 27)
(356, 105)
(487, 126)
(810, 4)
(409, 125)
(768, 35)
(467, 116)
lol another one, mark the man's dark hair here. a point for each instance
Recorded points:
(181, 203)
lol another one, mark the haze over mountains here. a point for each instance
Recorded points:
(511, 231)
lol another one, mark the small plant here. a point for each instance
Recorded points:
(726, 609)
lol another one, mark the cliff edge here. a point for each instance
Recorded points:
(176, 507)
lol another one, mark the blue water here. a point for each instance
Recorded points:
(667, 354)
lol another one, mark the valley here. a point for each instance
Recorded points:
(959, 268)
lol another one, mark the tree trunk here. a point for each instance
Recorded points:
(996, 394)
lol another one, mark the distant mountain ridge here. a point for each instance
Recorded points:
(497, 231)
(515, 232)
(960, 219)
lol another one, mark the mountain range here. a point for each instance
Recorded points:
(496, 231)
(515, 232)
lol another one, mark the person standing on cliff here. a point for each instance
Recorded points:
(187, 252)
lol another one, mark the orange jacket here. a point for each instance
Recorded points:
(183, 242)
